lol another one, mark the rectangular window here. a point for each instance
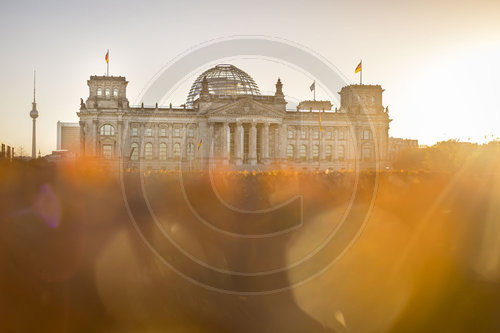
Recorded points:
(328, 134)
(328, 153)
(341, 153)
(315, 133)
(303, 133)
(135, 131)
(177, 132)
(163, 132)
(290, 133)
(367, 153)
(191, 132)
(107, 151)
(315, 152)
(149, 131)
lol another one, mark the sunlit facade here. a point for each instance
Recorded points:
(227, 122)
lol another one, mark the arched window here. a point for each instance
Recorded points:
(177, 151)
(148, 151)
(134, 151)
(341, 153)
(107, 130)
(115, 92)
(289, 152)
(328, 152)
(367, 134)
(107, 92)
(190, 152)
(163, 151)
(315, 152)
(99, 92)
(303, 153)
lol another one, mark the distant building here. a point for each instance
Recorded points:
(68, 137)
(396, 145)
(226, 121)
(60, 156)
(6, 152)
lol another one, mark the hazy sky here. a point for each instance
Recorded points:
(438, 61)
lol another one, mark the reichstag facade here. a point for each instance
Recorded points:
(227, 123)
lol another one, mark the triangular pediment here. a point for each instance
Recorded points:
(245, 107)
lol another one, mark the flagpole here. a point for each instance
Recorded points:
(361, 73)
(107, 65)
(314, 89)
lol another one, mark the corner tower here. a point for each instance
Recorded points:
(107, 92)
(360, 98)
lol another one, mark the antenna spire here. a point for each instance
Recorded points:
(34, 86)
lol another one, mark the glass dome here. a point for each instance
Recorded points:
(224, 80)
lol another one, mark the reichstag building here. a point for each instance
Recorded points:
(227, 123)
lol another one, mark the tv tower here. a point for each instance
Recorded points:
(34, 115)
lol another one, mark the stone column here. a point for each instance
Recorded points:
(211, 142)
(156, 144)
(238, 143)
(298, 143)
(184, 143)
(225, 144)
(170, 144)
(204, 136)
(335, 154)
(119, 140)
(264, 150)
(82, 138)
(282, 142)
(310, 132)
(322, 145)
(141, 144)
(95, 142)
(253, 144)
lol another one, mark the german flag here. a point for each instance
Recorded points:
(107, 57)
(358, 69)
(200, 143)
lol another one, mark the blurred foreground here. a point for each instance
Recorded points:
(192, 260)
